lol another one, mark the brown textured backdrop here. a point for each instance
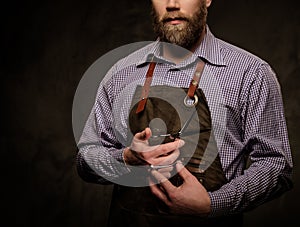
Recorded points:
(46, 46)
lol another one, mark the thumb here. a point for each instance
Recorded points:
(144, 135)
(182, 171)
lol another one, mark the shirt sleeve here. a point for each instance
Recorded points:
(266, 141)
(100, 155)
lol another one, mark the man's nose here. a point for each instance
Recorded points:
(172, 5)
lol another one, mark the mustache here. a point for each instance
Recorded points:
(174, 16)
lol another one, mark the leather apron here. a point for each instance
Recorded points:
(137, 206)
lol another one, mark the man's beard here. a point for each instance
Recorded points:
(185, 34)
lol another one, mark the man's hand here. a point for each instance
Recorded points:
(141, 153)
(189, 198)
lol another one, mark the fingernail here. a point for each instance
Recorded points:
(179, 164)
(153, 172)
(181, 143)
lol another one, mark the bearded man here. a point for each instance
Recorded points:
(203, 136)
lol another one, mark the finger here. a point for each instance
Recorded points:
(182, 171)
(176, 144)
(159, 193)
(163, 181)
(170, 158)
(144, 135)
(151, 182)
(167, 175)
(166, 172)
(165, 149)
(166, 169)
(148, 133)
(167, 159)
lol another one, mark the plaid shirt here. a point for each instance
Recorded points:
(245, 101)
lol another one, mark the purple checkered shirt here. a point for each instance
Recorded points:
(247, 114)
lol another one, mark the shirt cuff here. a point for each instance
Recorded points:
(222, 201)
(119, 156)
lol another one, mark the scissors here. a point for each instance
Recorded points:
(173, 136)
(181, 132)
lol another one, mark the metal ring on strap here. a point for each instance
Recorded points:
(187, 98)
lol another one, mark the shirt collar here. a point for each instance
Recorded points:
(151, 52)
(209, 50)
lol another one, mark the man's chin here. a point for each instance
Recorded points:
(175, 27)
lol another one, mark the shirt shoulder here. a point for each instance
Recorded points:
(136, 54)
(246, 65)
(234, 55)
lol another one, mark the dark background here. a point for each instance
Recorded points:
(46, 46)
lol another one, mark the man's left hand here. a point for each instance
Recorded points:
(189, 198)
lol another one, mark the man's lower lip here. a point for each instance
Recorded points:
(175, 22)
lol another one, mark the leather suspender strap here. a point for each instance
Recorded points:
(192, 88)
(195, 81)
(146, 88)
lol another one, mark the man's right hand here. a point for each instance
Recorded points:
(141, 153)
